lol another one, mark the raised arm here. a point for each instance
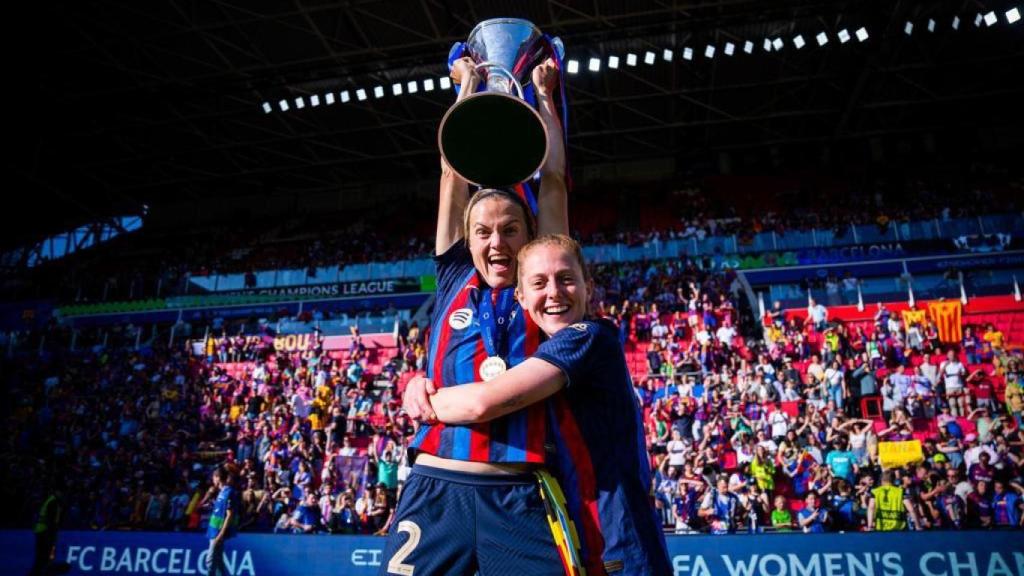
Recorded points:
(523, 385)
(454, 191)
(552, 199)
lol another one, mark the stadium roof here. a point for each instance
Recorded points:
(117, 105)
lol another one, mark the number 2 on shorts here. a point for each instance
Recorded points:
(395, 565)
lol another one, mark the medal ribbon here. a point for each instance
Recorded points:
(495, 321)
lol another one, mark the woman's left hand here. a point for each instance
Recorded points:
(545, 77)
(416, 399)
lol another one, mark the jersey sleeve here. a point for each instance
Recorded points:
(583, 352)
(452, 268)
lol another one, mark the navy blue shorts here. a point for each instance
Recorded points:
(451, 522)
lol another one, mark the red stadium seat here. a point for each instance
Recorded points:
(968, 426)
(871, 407)
(926, 425)
(792, 409)
(922, 436)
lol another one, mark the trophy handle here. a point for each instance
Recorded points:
(503, 70)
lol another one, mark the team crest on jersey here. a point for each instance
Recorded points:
(579, 327)
(461, 318)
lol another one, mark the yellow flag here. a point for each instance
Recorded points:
(913, 316)
(896, 454)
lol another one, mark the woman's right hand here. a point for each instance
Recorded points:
(463, 68)
(416, 399)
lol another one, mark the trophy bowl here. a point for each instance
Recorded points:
(495, 138)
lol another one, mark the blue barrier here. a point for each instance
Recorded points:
(795, 554)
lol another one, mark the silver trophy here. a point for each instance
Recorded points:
(494, 138)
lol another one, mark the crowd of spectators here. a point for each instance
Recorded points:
(158, 263)
(750, 424)
(784, 432)
(691, 212)
(133, 435)
(155, 263)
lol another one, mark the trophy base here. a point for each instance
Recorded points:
(493, 139)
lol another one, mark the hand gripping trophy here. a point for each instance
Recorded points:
(495, 137)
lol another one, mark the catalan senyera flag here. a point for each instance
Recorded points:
(912, 316)
(947, 319)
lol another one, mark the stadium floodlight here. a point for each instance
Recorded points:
(648, 57)
(267, 108)
(345, 97)
(1012, 15)
(777, 44)
(748, 47)
(798, 41)
(428, 85)
(378, 91)
(361, 94)
(991, 18)
(283, 105)
(667, 55)
(630, 59)
(908, 29)
(594, 65)
(730, 49)
(687, 53)
(396, 88)
(709, 51)
(300, 103)
(931, 25)
(978, 19)
(329, 98)
(767, 45)
(844, 36)
(822, 38)
(573, 67)
(862, 34)
(956, 22)
(445, 82)
(613, 62)
(411, 87)
(314, 100)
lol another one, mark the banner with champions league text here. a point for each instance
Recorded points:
(340, 289)
(794, 554)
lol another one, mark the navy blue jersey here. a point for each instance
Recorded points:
(455, 353)
(227, 499)
(600, 455)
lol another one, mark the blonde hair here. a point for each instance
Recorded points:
(502, 194)
(562, 241)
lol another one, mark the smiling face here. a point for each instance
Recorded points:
(496, 231)
(552, 288)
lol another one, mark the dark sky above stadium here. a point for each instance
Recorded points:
(115, 106)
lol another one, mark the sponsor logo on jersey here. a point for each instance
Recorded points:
(461, 318)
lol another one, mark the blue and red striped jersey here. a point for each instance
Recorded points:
(600, 453)
(455, 353)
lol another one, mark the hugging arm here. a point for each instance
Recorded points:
(521, 386)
